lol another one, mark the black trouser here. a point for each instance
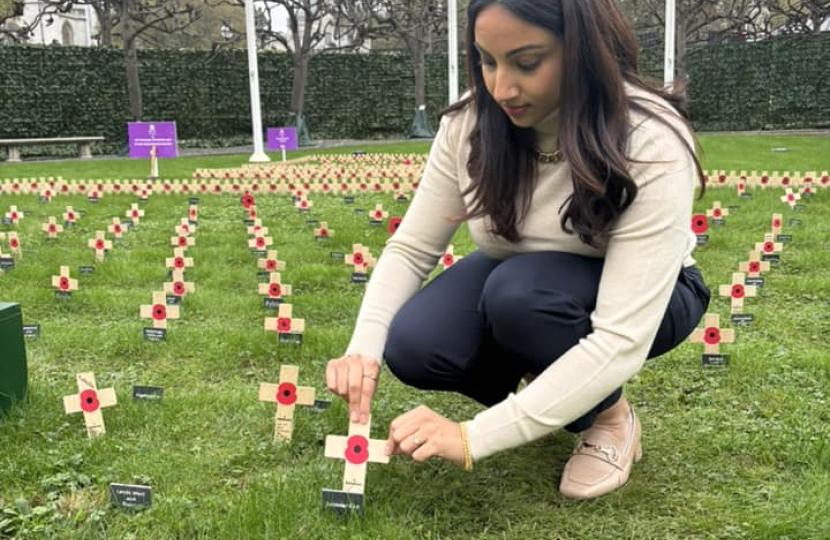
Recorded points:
(482, 324)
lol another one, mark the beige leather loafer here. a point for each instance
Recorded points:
(601, 462)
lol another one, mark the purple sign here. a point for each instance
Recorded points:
(144, 136)
(282, 138)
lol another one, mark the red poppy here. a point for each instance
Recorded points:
(357, 449)
(769, 247)
(193, 213)
(716, 212)
(722, 179)
(260, 241)
(99, 245)
(13, 243)
(135, 214)
(178, 262)
(14, 216)
(89, 401)
(274, 290)
(712, 336)
(358, 258)
(117, 229)
(247, 201)
(178, 288)
(182, 241)
(776, 223)
(270, 264)
(825, 180)
(286, 394)
(52, 228)
(394, 223)
(699, 224)
(754, 267)
(324, 232)
(765, 179)
(70, 216)
(63, 283)
(737, 291)
(448, 260)
(785, 181)
(283, 325)
(159, 312)
(790, 197)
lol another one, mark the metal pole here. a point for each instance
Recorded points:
(259, 155)
(668, 59)
(452, 54)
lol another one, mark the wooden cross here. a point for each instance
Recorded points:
(14, 245)
(360, 258)
(769, 246)
(117, 228)
(63, 282)
(717, 212)
(378, 213)
(754, 267)
(90, 400)
(790, 197)
(274, 288)
(270, 262)
(286, 395)
(135, 213)
(46, 195)
(178, 260)
(14, 215)
(178, 286)
(182, 241)
(193, 213)
(260, 242)
(776, 224)
(323, 231)
(51, 228)
(100, 244)
(159, 311)
(184, 228)
(257, 228)
(70, 216)
(303, 204)
(449, 258)
(284, 323)
(711, 335)
(737, 291)
(357, 449)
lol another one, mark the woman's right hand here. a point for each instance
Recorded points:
(354, 378)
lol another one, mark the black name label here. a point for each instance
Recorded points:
(732, 207)
(784, 238)
(63, 295)
(86, 270)
(312, 222)
(92, 199)
(718, 222)
(131, 496)
(359, 210)
(173, 300)
(795, 222)
(772, 258)
(799, 208)
(156, 335)
(742, 319)
(746, 195)
(702, 239)
(754, 281)
(31, 331)
(193, 200)
(290, 339)
(341, 502)
(348, 200)
(336, 255)
(321, 404)
(359, 278)
(150, 393)
(715, 360)
(6, 264)
(271, 303)
(259, 253)
(263, 276)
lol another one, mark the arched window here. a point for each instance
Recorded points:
(67, 34)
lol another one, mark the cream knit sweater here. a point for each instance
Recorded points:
(646, 249)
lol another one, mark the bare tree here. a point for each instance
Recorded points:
(312, 27)
(415, 23)
(795, 16)
(14, 29)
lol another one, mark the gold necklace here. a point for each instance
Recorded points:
(548, 157)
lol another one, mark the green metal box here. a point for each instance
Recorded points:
(13, 372)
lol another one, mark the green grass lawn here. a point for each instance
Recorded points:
(734, 453)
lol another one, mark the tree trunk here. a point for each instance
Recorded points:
(301, 59)
(104, 24)
(131, 65)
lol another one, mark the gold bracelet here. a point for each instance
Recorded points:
(465, 445)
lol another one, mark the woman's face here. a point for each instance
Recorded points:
(521, 64)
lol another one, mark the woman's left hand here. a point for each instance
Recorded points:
(422, 433)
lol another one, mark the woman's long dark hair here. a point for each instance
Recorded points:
(600, 54)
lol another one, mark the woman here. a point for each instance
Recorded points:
(577, 182)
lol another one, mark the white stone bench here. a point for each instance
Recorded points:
(84, 151)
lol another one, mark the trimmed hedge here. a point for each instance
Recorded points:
(63, 91)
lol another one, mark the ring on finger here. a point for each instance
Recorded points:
(370, 376)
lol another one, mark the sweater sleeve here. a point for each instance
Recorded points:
(645, 252)
(413, 251)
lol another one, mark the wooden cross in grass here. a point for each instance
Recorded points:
(64, 282)
(790, 197)
(737, 291)
(70, 216)
(274, 288)
(360, 258)
(134, 214)
(711, 335)
(754, 267)
(357, 450)
(303, 205)
(257, 228)
(717, 212)
(378, 214)
(284, 323)
(51, 228)
(260, 242)
(777, 222)
(100, 244)
(286, 394)
(323, 231)
(14, 245)
(193, 213)
(184, 228)
(449, 258)
(159, 311)
(178, 286)
(769, 246)
(14, 215)
(182, 241)
(116, 228)
(270, 262)
(90, 401)
(178, 261)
